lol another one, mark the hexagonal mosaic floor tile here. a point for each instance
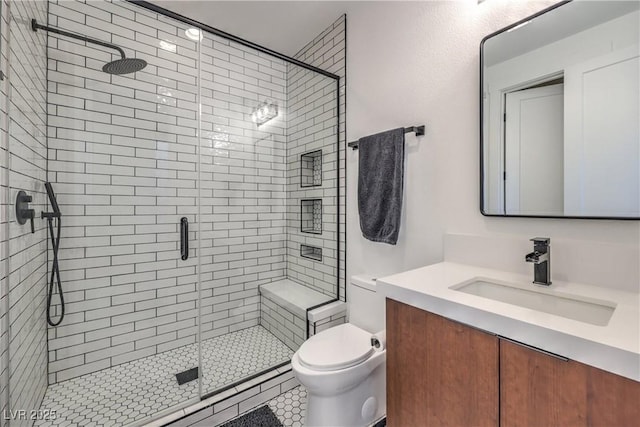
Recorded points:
(290, 407)
(136, 390)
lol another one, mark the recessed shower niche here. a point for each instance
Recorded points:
(311, 216)
(311, 169)
(311, 252)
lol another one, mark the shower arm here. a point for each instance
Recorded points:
(35, 27)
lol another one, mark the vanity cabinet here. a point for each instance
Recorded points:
(443, 373)
(538, 389)
(439, 372)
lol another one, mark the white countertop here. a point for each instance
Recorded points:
(614, 347)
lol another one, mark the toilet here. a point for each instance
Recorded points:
(343, 373)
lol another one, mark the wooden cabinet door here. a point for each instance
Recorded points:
(439, 372)
(537, 389)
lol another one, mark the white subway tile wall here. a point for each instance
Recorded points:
(312, 126)
(4, 220)
(285, 325)
(329, 322)
(23, 254)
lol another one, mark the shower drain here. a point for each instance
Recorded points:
(187, 376)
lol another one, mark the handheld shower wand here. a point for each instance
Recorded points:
(55, 244)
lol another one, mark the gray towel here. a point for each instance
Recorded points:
(380, 176)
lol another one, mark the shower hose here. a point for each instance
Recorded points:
(55, 273)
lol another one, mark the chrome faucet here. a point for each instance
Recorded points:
(541, 258)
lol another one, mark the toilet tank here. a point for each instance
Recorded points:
(366, 307)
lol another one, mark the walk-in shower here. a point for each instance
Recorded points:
(197, 190)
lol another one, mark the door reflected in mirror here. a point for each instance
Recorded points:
(560, 113)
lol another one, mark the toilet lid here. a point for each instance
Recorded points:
(336, 348)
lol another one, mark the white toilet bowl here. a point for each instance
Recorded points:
(344, 377)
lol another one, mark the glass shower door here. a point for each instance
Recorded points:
(262, 118)
(123, 160)
(243, 207)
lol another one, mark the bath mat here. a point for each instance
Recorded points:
(261, 417)
(187, 376)
(381, 423)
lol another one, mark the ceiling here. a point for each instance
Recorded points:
(284, 26)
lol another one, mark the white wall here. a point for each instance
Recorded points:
(417, 62)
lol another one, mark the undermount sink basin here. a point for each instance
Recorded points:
(595, 312)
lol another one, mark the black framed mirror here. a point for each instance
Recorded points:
(559, 113)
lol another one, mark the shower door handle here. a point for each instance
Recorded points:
(184, 238)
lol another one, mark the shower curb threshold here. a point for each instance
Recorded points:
(174, 414)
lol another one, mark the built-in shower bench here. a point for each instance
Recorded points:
(283, 311)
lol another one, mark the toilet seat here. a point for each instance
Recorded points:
(336, 348)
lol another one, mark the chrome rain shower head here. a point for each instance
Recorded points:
(123, 65)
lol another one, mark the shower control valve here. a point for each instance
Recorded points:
(23, 213)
